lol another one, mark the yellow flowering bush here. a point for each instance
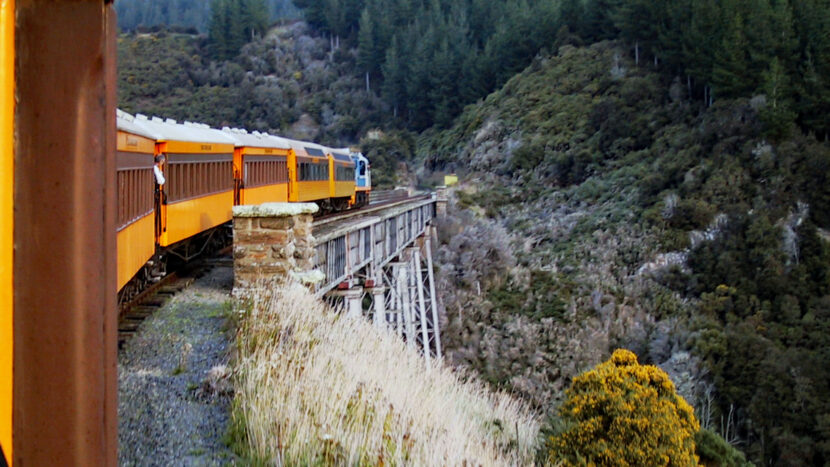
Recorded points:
(623, 413)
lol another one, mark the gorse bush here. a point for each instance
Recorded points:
(624, 413)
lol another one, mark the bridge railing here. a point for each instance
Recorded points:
(342, 252)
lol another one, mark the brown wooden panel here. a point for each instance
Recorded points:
(261, 171)
(135, 195)
(132, 160)
(65, 375)
(188, 180)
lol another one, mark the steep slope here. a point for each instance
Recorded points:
(292, 82)
(600, 208)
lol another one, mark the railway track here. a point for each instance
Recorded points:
(366, 210)
(132, 314)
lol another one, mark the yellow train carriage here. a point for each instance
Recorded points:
(260, 167)
(135, 236)
(198, 168)
(342, 184)
(308, 172)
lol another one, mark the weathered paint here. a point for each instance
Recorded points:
(135, 143)
(312, 191)
(65, 325)
(264, 151)
(186, 147)
(343, 189)
(277, 193)
(187, 218)
(135, 242)
(6, 222)
(136, 245)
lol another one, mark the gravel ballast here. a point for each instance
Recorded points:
(173, 389)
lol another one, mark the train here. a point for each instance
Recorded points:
(177, 183)
(80, 218)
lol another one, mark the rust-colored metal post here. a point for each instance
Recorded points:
(65, 384)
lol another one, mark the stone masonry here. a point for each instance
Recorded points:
(272, 239)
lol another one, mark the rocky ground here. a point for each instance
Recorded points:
(173, 388)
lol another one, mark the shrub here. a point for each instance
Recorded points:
(714, 450)
(624, 413)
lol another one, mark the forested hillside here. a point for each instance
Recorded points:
(602, 208)
(195, 14)
(289, 82)
(637, 174)
(430, 58)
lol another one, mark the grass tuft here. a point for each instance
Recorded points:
(316, 388)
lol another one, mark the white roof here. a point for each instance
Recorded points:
(304, 145)
(345, 151)
(126, 122)
(256, 139)
(171, 130)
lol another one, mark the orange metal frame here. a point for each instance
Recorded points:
(7, 226)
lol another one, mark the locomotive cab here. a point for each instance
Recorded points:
(363, 179)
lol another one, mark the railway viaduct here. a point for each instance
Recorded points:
(374, 263)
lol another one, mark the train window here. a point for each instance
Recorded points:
(135, 195)
(266, 172)
(189, 179)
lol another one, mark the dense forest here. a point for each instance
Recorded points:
(193, 15)
(637, 174)
(430, 58)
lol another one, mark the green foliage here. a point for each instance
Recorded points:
(777, 114)
(713, 450)
(234, 23)
(750, 212)
(457, 52)
(545, 295)
(268, 86)
(192, 15)
(388, 154)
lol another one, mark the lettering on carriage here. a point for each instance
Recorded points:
(207, 147)
(269, 151)
(132, 141)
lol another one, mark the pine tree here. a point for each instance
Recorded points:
(638, 22)
(598, 24)
(730, 73)
(812, 24)
(571, 14)
(219, 29)
(366, 46)
(234, 23)
(777, 115)
(702, 40)
(394, 78)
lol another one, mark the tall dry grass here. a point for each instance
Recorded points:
(316, 387)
